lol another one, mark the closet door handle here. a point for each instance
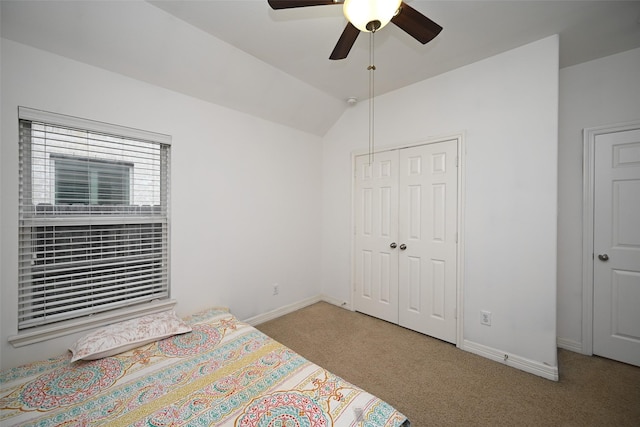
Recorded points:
(603, 257)
(403, 247)
(393, 245)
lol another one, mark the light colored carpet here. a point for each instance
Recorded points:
(435, 384)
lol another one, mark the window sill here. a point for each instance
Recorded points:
(84, 323)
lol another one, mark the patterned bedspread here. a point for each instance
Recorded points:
(224, 372)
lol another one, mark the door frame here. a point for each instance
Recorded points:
(588, 205)
(460, 142)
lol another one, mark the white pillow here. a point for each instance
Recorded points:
(123, 336)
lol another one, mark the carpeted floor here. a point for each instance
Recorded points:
(435, 384)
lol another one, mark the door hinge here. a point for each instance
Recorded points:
(457, 161)
(456, 237)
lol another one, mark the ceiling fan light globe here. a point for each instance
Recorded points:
(361, 12)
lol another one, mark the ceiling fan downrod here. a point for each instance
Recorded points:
(371, 68)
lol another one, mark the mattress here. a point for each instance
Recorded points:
(224, 372)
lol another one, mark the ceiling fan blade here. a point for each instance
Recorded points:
(345, 42)
(416, 24)
(289, 4)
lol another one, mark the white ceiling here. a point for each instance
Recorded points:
(186, 46)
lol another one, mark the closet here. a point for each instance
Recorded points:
(405, 204)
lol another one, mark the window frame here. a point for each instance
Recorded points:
(63, 327)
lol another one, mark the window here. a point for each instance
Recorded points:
(89, 181)
(94, 220)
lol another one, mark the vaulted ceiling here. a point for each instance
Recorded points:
(243, 55)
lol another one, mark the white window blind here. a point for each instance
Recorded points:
(93, 217)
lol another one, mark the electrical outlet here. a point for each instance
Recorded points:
(276, 289)
(485, 317)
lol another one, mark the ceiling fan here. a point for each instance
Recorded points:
(370, 16)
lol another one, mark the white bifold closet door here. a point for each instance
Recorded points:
(405, 210)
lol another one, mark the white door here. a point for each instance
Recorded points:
(616, 275)
(376, 227)
(428, 225)
(405, 210)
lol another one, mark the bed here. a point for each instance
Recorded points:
(223, 372)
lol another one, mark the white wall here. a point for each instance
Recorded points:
(245, 196)
(507, 106)
(602, 92)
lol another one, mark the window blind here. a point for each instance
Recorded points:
(93, 217)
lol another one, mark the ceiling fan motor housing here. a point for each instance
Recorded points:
(374, 25)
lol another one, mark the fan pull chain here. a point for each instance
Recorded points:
(372, 69)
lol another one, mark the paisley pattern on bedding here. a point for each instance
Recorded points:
(284, 409)
(224, 372)
(201, 338)
(70, 384)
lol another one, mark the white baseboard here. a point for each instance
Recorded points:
(570, 345)
(270, 315)
(334, 301)
(265, 317)
(527, 365)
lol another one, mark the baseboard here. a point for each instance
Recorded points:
(527, 365)
(273, 314)
(570, 345)
(337, 302)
